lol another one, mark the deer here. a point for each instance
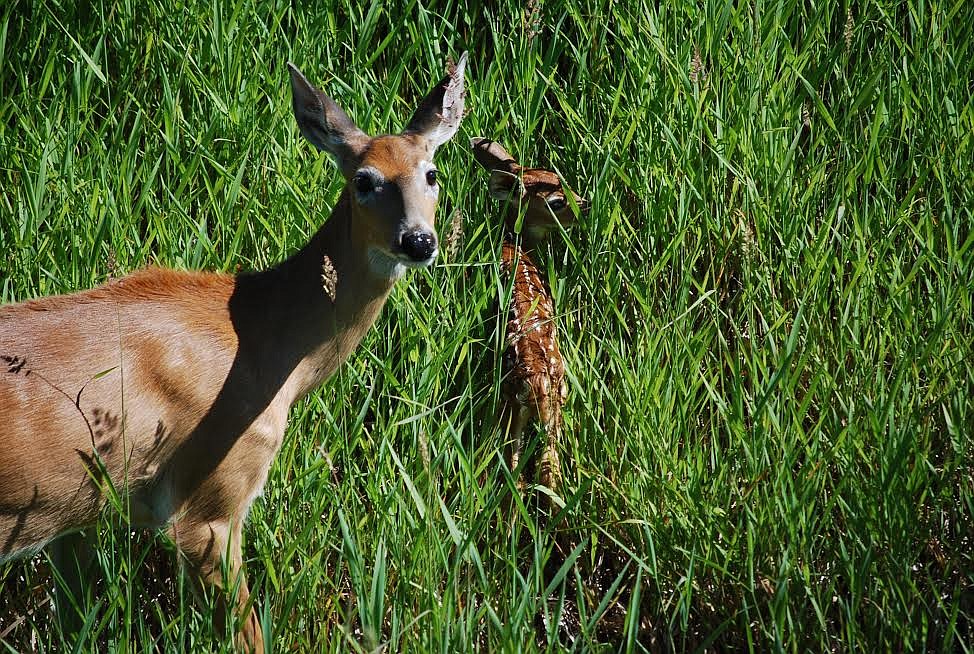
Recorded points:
(533, 384)
(172, 388)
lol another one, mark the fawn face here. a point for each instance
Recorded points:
(540, 191)
(391, 182)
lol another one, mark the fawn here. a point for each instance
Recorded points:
(533, 385)
(174, 387)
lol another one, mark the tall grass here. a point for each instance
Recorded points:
(767, 316)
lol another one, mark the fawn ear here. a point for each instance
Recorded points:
(503, 185)
(438, 116)
(492, 155)
(323, 122)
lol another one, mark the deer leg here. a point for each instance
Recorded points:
(550, 473)
(513, 420)
(550, 461)
(73, 557)
(208, 548)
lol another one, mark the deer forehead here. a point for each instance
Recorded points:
(540, 181)
(544, 184)
(397, 156)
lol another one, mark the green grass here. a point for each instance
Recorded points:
(766, 316)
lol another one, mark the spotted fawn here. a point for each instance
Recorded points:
(533, 386)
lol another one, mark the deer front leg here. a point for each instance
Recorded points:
(550, 474)
(512, 421)
(207, 549)
(73, 557)
(212, 501)
(551, 418)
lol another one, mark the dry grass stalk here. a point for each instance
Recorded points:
(329, 278)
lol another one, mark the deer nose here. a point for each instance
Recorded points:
(419, 245)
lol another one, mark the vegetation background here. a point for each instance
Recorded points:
(767, 315)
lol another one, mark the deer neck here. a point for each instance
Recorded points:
(527, 243)
(530, 240)
(306, 315)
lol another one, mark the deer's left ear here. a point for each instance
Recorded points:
(438, 117)
(323, 122)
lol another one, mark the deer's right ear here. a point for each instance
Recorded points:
(492, 155)
(504, 185)
(438, 116)
(323, 122)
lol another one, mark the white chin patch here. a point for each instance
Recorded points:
(409, 263)
(384, 265)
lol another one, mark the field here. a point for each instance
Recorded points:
(766, 316)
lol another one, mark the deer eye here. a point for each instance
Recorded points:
(431, 177)
(556, 204)
(363, 183)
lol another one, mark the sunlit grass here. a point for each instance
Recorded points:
(766, 315)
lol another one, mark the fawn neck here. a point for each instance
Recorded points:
(296, 327)
(528, 241)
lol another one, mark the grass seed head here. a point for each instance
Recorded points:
(329, 278)
(532, 18)
(112, 265)
(454, 238)
(697, 72)
(850, 24)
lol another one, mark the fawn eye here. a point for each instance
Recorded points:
(557, 204)
(363, 183)
(431, 177)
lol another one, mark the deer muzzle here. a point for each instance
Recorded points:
(419, 246)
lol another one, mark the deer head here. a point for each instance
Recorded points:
(540, 191)
(391, 182)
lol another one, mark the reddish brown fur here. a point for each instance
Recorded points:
(534, 370)
(176, 386)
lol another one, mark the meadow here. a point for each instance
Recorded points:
(766, 316)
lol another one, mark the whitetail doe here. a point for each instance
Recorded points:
(175, 386)
(533, 385)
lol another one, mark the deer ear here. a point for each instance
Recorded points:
(503, 184)
(438, 116)
(323, 122)
(492, 155)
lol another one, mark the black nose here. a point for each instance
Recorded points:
(419, 246)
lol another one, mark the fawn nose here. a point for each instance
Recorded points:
(419, 245)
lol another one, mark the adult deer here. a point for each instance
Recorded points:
(533, 385)
(175, 386)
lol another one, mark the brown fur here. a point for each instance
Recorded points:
(176, 386)
(534, 371)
